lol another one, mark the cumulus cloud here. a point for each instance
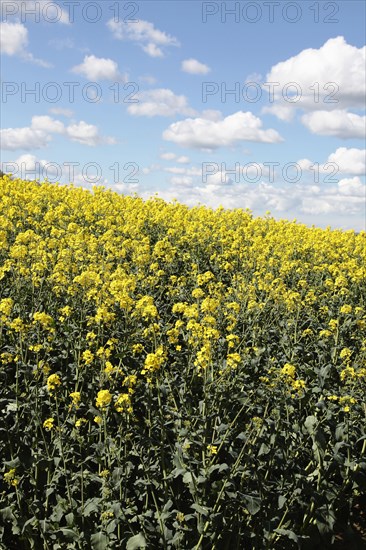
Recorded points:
(150, 39)
(345, 161)
(87, 134)
(14, 38)
(192, 66)
(26, 138)
(160, 102)
(47, 124)
(39, 134)
(352, 187)
(99, 68)
(208, 134)
(14, 42)
(335, 62)
(325, 83)
(339, 123)
(350, 161)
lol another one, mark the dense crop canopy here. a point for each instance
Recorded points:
(176, 377)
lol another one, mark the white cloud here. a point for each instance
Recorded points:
(13, 38)
(193, 66)
(99, 68)
(14, 41)
(337, 123)
(152, 168)
(12, 139)
(346, 161)
(160, 102)
(349, 161)
(175, 170)
(352, 187)
(335, 62)
(151, 40)
(39, 134)
(343, 202)
(183, 160)
(47, 124)
(153, 50)
(168, 156)
(86, 134)
(209, 134)
(61, 111)
(184, 181)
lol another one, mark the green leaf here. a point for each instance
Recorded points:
(253, 504)
(200, 509)
(187, 478)
(6, 513)
(168, 505)
(57, 513)
(137, 541)
(91, 505)
(99, 541)
(70, 519)
(264, 449)
(310, 423)
(281, 501)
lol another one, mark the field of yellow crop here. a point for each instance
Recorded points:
(176, 378)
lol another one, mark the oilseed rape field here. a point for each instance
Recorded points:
(177, 378)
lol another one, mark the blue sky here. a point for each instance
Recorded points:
(289, 138)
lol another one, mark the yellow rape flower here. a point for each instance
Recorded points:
(6, 306)
(87, 357)
(76, 398)
(103, 399)
(288, 370)
(123, 403)
(345, 354)
(212, 449)
(49, 424)
(154, 361)
(53, 381)
(233, 360)
(17, 325)
(10, 478)
(43, 319)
